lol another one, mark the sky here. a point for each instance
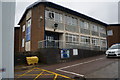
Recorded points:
(103, 10)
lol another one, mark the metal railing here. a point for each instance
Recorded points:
(62, 44)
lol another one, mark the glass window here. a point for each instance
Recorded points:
(61, 18)
(86, 25)
(82, 24)
(116, 46)
(46, 14)
(28, 30)
(94, 28)
(56, 17)
(23, 28)
(72, 38)
(23, 42)
(102, 30)
(85, 39)
(103, 43)
(95, 41)
(74, 21)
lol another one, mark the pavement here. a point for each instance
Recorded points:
(92, 68)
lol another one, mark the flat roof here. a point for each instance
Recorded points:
(114, 24)
(59, 7)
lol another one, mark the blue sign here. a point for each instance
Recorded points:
(65, 53)
(28, 31)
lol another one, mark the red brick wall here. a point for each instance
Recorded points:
(16, 39)
(115, 38)
(37, 27)
(21, 36)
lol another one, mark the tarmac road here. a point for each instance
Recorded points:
(97, 68)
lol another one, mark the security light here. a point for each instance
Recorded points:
(41, 18)
(55, 26)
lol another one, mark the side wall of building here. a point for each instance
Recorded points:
(16, 39)
(31, 29)
(113, 33)
(21, 35)
(37, 26)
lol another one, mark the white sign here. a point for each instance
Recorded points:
(75, 51)
(109, 32)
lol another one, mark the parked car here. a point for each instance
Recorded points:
(114, 50)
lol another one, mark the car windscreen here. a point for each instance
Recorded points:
(115, 47)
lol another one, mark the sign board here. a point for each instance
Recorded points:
(65, 53)
(75, 51)
(109, 32)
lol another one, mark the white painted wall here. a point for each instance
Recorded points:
(0, 39)
(119, 12)
(8, 15)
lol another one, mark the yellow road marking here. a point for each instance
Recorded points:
(34, 74)
(38, 75)
(43, 70)
(25, 73)
(55, 76)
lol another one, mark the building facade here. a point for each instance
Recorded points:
(48, 25)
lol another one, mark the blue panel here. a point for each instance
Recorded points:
(65, 53)
(28, 33)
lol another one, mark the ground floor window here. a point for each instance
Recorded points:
(103, 43)
(70, 38)
(85, 40)
(95, 41)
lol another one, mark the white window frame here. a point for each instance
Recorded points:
(95, 41)
(72, 38)
(84, 38)
(103, 43)
(23, 42)
(23, 28)
(94, 28)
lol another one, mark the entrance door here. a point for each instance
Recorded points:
(52, 40)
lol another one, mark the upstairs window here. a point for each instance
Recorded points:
(55, 16)
(84, 25)
(94, 28)
(102, 30)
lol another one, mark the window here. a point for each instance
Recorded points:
(86, 25)
(110, 32)
(70, 20)
(23, 42)
(61, 18)
(23, 28)
(46, 14)
(95, 41)
(85, 39)
(72, 38)
(74, 21)
(103, 42)
(82, 24)
(55, 16)
(102, 30)
(28, 30)
(94, 28)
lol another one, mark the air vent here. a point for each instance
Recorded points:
(51, 15)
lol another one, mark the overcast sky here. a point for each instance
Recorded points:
(103, 10)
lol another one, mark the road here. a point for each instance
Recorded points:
(97, 67)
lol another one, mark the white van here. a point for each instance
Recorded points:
(114, 50)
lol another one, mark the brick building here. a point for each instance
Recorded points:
(49, 25)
